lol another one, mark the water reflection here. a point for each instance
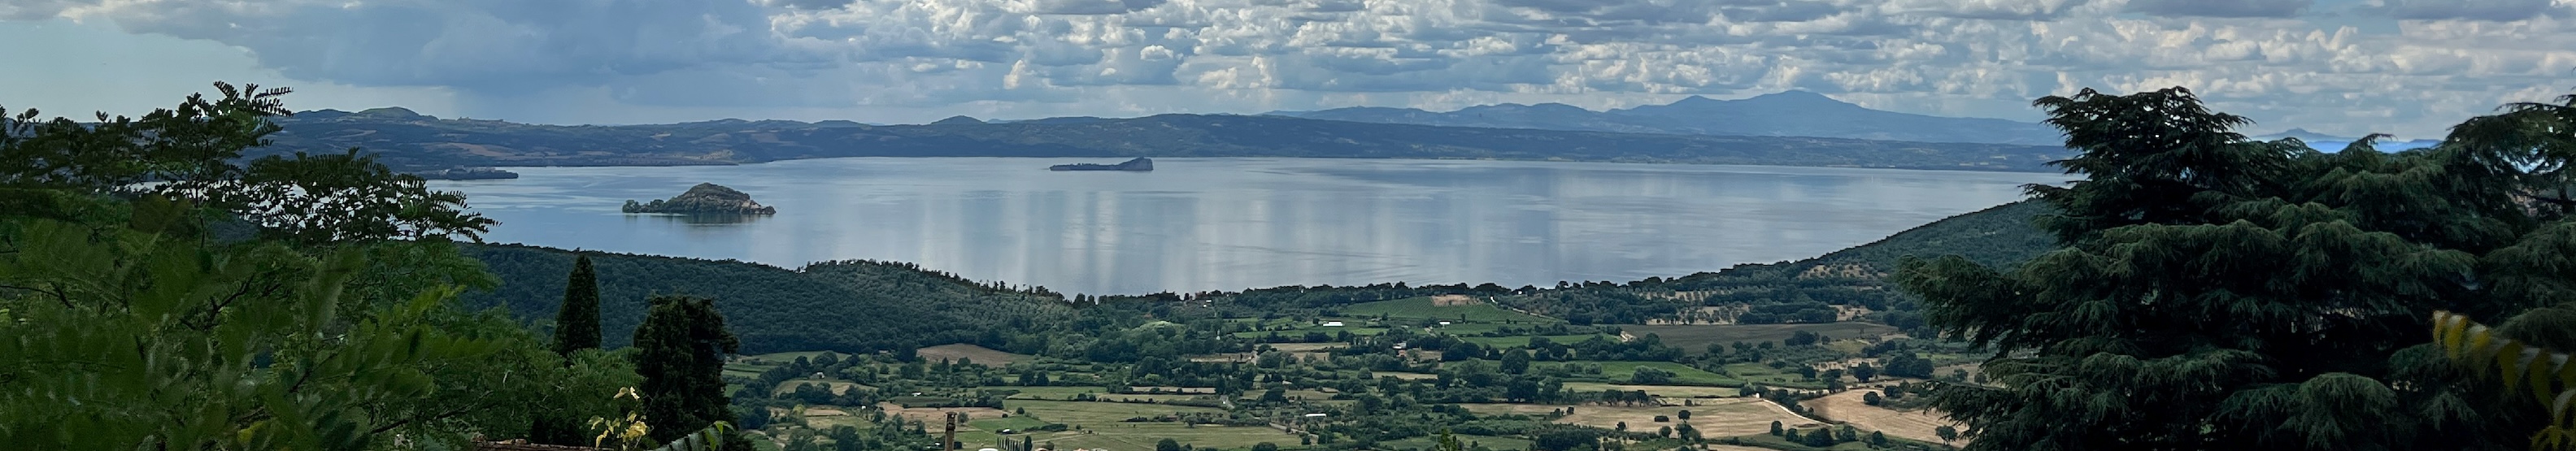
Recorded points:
(1200, 224)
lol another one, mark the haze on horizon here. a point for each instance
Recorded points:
(2342, 67)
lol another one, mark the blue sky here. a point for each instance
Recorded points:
(2347, 67)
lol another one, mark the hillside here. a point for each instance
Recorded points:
(411, 141)
(845, 306)
(1792, 113)
(1822, 289)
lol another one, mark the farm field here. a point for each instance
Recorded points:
(980, 354)
(1716, 418)
(1361, 331)
(1489, 442)
(1766, 375)
(1460, 309)
(1848, 407)
(1696, 338)
(1682, 374)
(1104, 426)
(1668, 391)
(1522, 340)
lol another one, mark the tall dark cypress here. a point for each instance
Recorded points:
(680, 351)
(577, 323)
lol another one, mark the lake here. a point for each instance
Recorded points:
(1236, 223)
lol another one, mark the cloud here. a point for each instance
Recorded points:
(2262, 58)
(1986, 9)
(2221, 8)
(2488, 10)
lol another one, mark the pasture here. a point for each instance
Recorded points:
(1696, 338)
(1682, 374)
(1104, 425)
(981, 355)
(1459, 310)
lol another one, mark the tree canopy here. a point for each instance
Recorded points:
(2223, 293)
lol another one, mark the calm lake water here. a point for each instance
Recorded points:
(1235, 223)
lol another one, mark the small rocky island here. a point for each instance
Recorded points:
(1138, 164)
(706, 198)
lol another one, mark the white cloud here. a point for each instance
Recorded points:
(885, 59)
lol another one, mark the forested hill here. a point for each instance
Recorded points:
(1828, 288)
(847, 306)
(1998, 236)
(408, 140)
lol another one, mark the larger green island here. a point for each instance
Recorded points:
(705, 198)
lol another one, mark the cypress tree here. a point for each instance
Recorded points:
(577, 322)
(680, 351)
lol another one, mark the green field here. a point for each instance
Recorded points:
(1695, 338)
(998, 424)
(1055, 393)
(1422, 308)
(1668, 391)
(1523, 340)
(1682, 374)
(1430, 442)
(1766, 375)
(1298, 332)
(1104, 426)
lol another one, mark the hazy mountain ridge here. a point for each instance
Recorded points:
(407, 140)
(1791, 113)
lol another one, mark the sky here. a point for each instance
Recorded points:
(2343, 67)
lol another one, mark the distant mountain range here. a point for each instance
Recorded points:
(2331, 143)
(411, 141)
(1792, 113)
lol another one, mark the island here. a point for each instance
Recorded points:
(466, 174)
(1138, 164)
(706, 198)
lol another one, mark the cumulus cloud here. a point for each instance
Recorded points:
(2221, 8)
(2488, 10)
(1104, 57)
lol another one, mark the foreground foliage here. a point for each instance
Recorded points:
(157, 291)
(2533, 364)
(2221, 293)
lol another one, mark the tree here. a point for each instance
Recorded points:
(2327, 263)
(1776, 427)
(127, 323)
(1877, 439)
(1864, 372)
(1946, 433)
(1516, 361)
(1265, 446)
(1167, 444)
(1684, 415)
(1870, 398)
(1650, 375)
(577, 322)
(680, 351)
